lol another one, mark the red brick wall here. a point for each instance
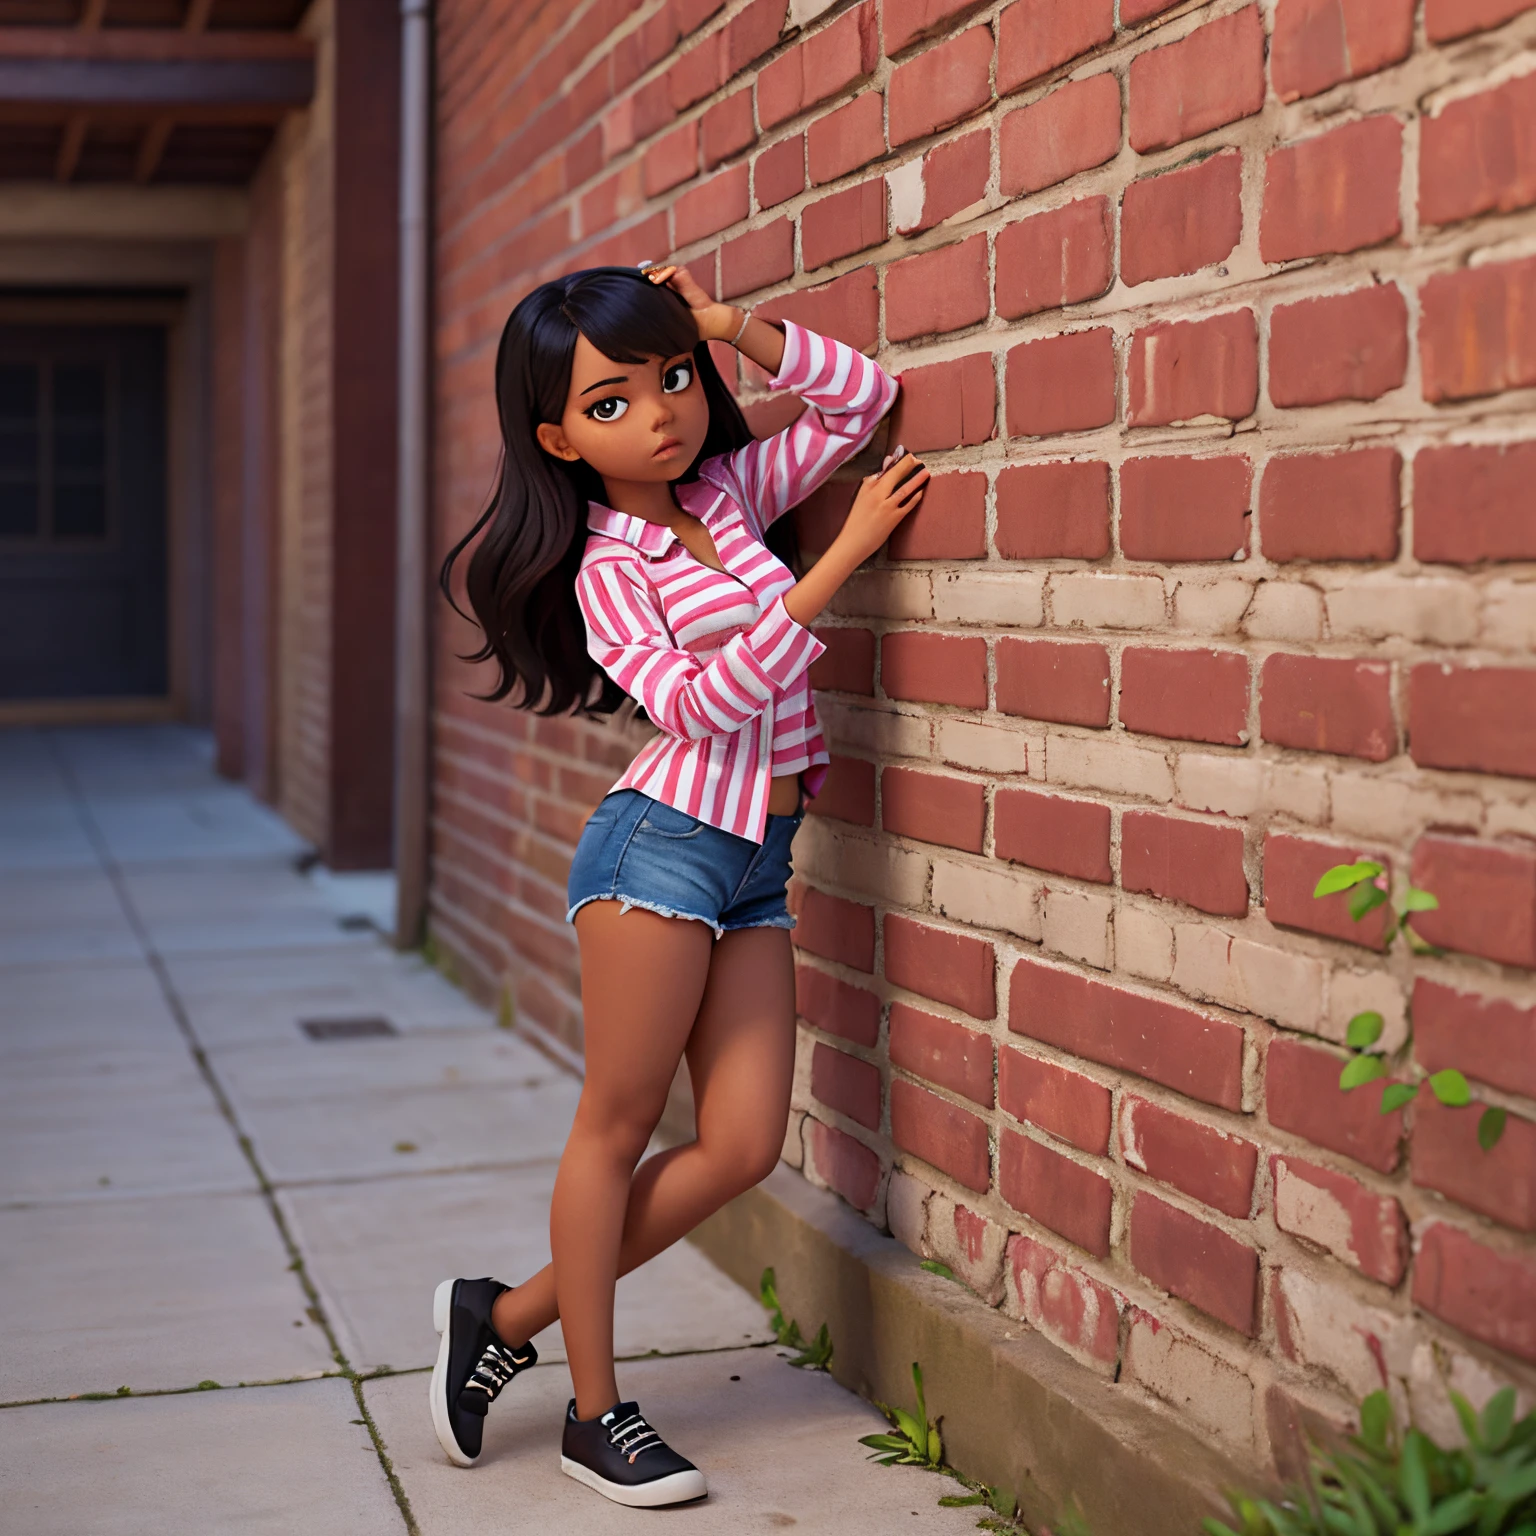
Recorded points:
(1217, 324)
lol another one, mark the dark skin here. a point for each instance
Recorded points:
(658, 990)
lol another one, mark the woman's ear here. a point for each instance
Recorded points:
(552, 439)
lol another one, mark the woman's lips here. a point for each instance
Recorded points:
(667, 445)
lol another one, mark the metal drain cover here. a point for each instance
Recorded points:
(347, 1029)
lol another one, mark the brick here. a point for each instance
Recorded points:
(1348, 346)
(1210, 78)
(837, 1006)
(1491, 1039)
(1302, 1095)
(752, 32)
(1182, 220)
(836, 929)
(1186, 695)
(1053, 511)
(943, 290)
(1477, 331)
(826, 64)
(848, 663)
(847, 308)
(1444, 1156)
(1072, 1201)
(971, 1245)
(1065, 681)
(1218, 1398)
(946, 405)
(1073, 129)
(1209, 1165)
(1482, 719)
(1196, 862)
(1196, 1262)
(1037, 36)
(727, 128)
(1479, 154)
(1067, 1305)
(671, 160)
(941, 86)
(1163, 1042)
(698, 73)
(1173, 507)
(721, 201)
(846, 1084)
(1190, 368)
(1292, 868)
(1331, 506)
(951, 522)
(1063, 1103)
(953, 176)
(844, 140)
(942, 1051)
(1054, 259)
(779, 172)
(1051, 832)
(1318, 43)
(845, 222)
(1133, 11)
(1446, 20)
(1334, 193)
(1328, 704)
(934, 669)
(1473, 503)
(903, 22)
(1485, 1293)
(950, 1138)
(1487, 897)
(758, 258)
(847, 1165)
(933, 808)
(1365, 1230)
(952, 968)
(848, 793)
(1061, 383)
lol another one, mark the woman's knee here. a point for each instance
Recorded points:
(745, 1159)
(618, 1134)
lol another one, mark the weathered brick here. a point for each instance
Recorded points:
(698, 73)
(1348, 346)
(951, 523)
(758, 258)
(752, 32)
(844, 140)
(825, 64)
(846, 1084)
(1446, 20)
(1173, 507)
(1184, 369)
(1037, 36)
(943, 1052)
(1196, 1262)
(1477, 330)
(903, 22)
(1210, 78)
(836, 929)
(1491, 1039)
(1072, 1201)
(951, 176)
(1479, 154)
(933, 808)
(934, 669)
(671, 160)
(1328, 704)
(1292, 868)
(845, 222)
(1482, 719)
(1182, 220)
(1487, 1294)
(1067, 1105)
(946, 405)
(1061, 383)
(1051, 832)
(1364, 1229)
(1053, 259)
(1066, 1304)
(727, 128)
(1062, 680)
(779, 172)
(836, 1006)
(1332, 506)
(952, 968)
(848, 793)
(1302, 1095)
(718, 203)
(1473, 503)
(970, 1244)
(1167, 1362)
(1053, 511)
(848, 663)
(1210, 1165)
(1318, 43)
(1198, 862)
(1333, 193)
(1487, 895)
(1100, 1021)
(1073, 129)
(845, 1164)
(1187, 695)
(941, 86)
(1445, 1156)
(950, 1138)
(847, 308)
(943, 290)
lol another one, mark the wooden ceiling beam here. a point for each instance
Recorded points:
(72, 141)
(158, 134)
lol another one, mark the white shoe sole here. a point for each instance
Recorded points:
(677, 1489)
(437, 1390)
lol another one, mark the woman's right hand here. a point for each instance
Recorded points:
(884, 499)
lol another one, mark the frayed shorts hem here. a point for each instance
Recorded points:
(786, 921)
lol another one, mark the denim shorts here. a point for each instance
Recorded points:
(645, 854)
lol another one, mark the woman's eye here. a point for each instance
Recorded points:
(609, 410)
(677, 378)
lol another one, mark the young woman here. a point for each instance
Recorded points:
(625, 553)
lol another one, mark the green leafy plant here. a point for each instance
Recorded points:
(815, 1354)
(916, 1443)
(1363, 881)
(934, 1267)
(1391, 1484)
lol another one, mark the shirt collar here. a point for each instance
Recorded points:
(651, 539)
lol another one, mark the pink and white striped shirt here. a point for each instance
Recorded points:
(714, 658)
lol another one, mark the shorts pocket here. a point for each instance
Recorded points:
(667, 821)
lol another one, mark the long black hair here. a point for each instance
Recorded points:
(521, 577)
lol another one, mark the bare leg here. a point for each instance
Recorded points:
(741, 1061)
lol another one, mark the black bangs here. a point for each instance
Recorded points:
(628, 317)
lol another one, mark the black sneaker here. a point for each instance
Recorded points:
(473, 1365)
(625, 1460)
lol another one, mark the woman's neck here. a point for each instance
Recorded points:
(651, 501)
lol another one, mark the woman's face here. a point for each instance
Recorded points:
(630, 421)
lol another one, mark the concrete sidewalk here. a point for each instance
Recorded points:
(219, 1235)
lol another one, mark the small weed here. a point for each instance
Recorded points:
(943, 1271)
(406, 1146)
(506, 1010)
(208, 1386)
(815, 1354)
(916, 1443)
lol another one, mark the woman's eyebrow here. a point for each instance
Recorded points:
(622, 378)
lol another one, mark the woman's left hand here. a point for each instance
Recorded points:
(716, 321)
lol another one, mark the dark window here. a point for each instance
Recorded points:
(20, 451)
(79, 451)
(54, 451)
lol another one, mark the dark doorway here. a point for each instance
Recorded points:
(82, 512)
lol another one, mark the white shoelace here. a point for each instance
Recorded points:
(498, 1365)
(632, 1436)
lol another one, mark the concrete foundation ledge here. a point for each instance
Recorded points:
(1016, 1411)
